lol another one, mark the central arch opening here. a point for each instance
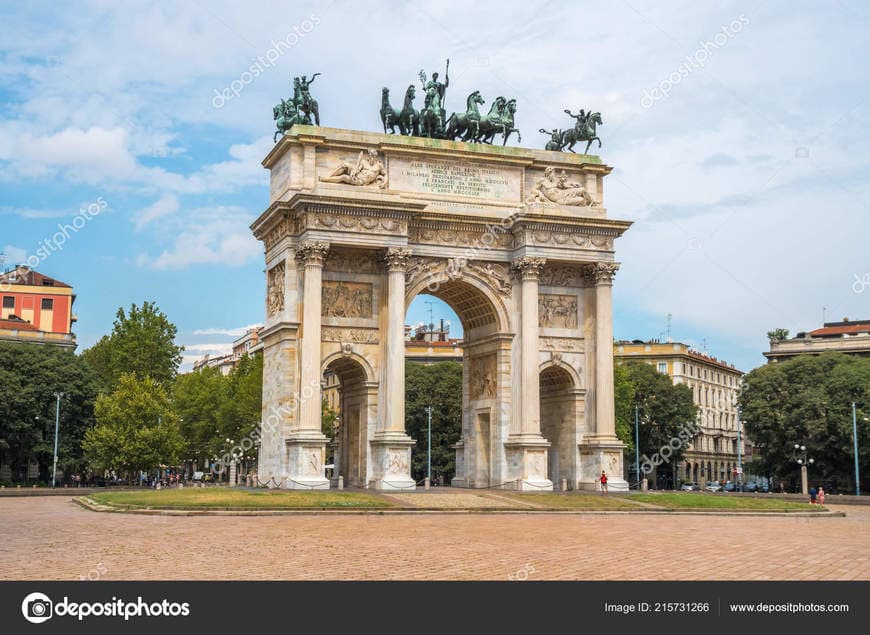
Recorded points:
(452, 364)
(348, 414)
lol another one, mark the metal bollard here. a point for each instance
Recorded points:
(426, 483)
(340, 482)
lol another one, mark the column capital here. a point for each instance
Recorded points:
(312, 252)
(528, 267)
(601, 273)
(396, 258)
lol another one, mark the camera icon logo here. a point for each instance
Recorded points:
(37, 608)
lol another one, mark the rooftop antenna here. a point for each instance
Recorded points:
(431, 322)
(669, 327)
(824, 308)
(2, 261)
(704, 344)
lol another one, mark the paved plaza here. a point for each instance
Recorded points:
(53, 538)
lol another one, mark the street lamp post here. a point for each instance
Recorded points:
(429, 446)
(739, 454)
(58, 396)
(636, 446)
(803, 461)
(855, 446)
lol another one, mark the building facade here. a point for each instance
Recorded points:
(36, 308)
(713, 453)
(852, 337)
(247, 344)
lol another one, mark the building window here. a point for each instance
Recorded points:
(8, 302)
(663, 368)
(47, 304)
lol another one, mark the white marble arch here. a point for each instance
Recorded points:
(474, 226)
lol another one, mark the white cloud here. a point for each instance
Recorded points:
(164, 206)
(14, 255)
(217, 235)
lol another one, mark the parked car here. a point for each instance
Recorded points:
(764, 488)
(713, 486)
(751, 486)
(689, 487)
(730, 487)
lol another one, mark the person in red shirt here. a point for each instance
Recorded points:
(603, 480)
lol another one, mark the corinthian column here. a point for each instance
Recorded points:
(525, 447)
(391, 447)
(601, 275)
(527, 270)
(396, 260)
(310, 255)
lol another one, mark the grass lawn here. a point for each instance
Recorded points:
(576, 501)
(220, 498)
(691, 500)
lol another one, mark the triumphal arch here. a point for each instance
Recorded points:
(517, 241)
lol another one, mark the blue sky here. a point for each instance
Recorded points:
(738, 133)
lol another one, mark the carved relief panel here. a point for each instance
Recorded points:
(275, 290)
(346, 299)
(557, 311)
(482, 377)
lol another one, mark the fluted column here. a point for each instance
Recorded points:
(527, 270)
(601, 275)
(396, 260)
(310, 255)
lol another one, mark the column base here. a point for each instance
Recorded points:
(527, 462)
(597, 454)
(391, 456)
(306, 451)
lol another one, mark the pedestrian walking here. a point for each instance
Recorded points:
(603, 480)
(813, 494)
(821, 495)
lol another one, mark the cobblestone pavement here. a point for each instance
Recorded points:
(52, 538)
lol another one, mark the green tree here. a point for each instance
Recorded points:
(243, 409)
(666, 413)
(808, 401)
(623, 391)
(201, 399)
(777, 335)
(142, 341)
(438, 385)
(136, 428)
(29, 376)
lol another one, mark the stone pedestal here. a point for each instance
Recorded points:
(306, 451)
(391, 454)
(597, 454)
(459, 479)
(527, 463)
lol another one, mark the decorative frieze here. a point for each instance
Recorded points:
(352, 335)
(355, 223)
(488, 237)
(353, 261)
(561, 276)
(560, 344)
